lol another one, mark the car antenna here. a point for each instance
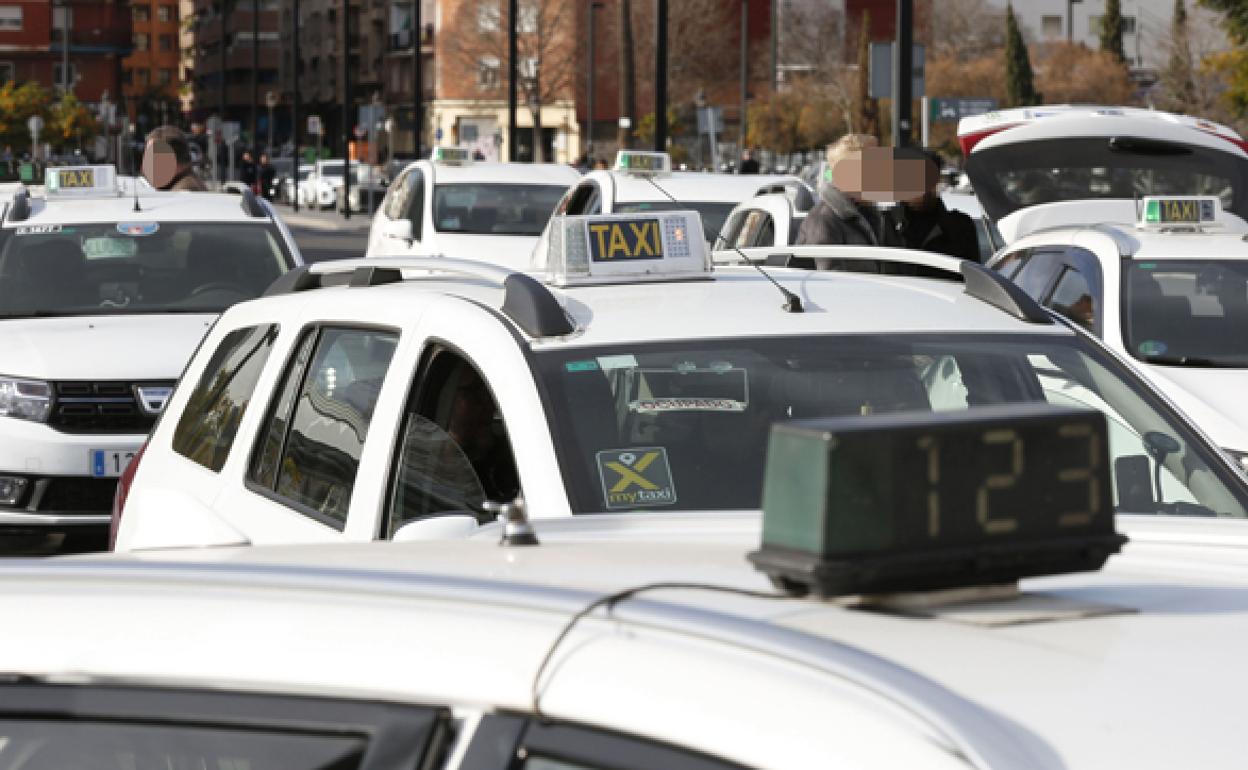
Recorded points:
(135, 179)
(792, 302)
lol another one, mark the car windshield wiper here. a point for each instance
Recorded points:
(1190, 361)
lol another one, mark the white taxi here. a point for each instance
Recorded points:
(952, 608)
(452, 205)
(643, 182)
(408, 398)
(103, 299)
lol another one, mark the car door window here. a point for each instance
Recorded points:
(586, 200)
(1037, 274)
(1010, 264)
(311, 446)
(209, 422)
(1072, 297)
(415, 201)
(454, 452)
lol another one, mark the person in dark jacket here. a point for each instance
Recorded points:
(920, 220)
(167, 161)
(267, 174)
(841, 215)
(248, 172)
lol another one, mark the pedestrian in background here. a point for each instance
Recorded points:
(841, 215)
(167, 161)
(267, 174)
(920, 220)
(248, 174)
(749, 164)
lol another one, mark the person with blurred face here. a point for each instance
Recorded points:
(167, 161)
(920, 220)
(843, 214)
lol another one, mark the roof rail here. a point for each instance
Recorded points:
(526, 301)
(998, 291)
(252, 206)
(847, 258)
(20, 209)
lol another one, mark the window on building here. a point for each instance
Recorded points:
(1051, 26)
(140, 14)
(10, 17)
(7, 71)
(58, 77)
(164, 77)
(527, 67)
(489, 16)
(526, 20)
(488, 71)
(165, 13)
(166, 42)
(142, 78)
(140, 42)
(1128, 25)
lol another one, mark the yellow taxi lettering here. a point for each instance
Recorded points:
(601, 232)
(618, 243)
(642, 231)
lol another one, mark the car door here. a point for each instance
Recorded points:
(405, 200)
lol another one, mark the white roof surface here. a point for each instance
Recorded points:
(501, 173)
(156, 206)
(689, 186)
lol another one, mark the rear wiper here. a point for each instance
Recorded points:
(1140, 146)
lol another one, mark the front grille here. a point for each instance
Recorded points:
(75, 495)
(101, 407)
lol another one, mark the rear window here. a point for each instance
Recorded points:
(1014, 176)
(210, 420)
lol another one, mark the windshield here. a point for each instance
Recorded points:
(1187, 312)
(136, 267)
(713, 214)
(494, 209)
(1013, 176)
(684, 426)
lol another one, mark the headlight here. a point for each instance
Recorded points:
(1240, 458)
(25, 399)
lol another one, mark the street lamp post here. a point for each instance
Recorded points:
(589, 85)
(270, 101)
(66, 26)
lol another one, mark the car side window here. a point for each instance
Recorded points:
(1072, 297)
(209, 423)
(396, 200)
(1037, 274)
(757, 224)
(454, 452)
(586, 200)
(728, 235)
(1009, 265)
(415, 207)
(313, 438)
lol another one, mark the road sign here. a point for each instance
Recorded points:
(230, 131)
(881, 83)
(35, 124)
(710, 120)
(946, 108)
(314, 125)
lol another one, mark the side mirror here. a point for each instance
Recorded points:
(450, 527)
(399, 229)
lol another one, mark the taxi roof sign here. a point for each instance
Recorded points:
(80, 180)
(451, 155)
(1166, 211)
(643, 162)
(627, 248)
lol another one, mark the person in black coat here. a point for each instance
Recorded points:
(920, 220)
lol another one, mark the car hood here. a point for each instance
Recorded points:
(131, 347)
(510, 251)
(1213, 398)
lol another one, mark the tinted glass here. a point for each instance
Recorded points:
(321, 453)
(683, 426)
(1010, 265)
(210, 420)
(1187, 312)
(713, 214)
(264, 463)
(494, 209)
(1037, 273)
(139, 267)
(1072, 297)
(62, 745)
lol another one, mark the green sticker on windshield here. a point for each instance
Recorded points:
(1148, 265)
(581, 366)
(1152, 348)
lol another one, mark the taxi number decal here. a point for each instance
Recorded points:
(137, 228)
(79, 178)
(39, 230)
(625, 239)
(633, 478)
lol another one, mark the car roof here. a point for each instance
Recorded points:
(500, 173)
(1126, 241)
(738, 302)
(689, 186)
(155, 206)
(1068, 674)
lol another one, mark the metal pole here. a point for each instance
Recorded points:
(660, 78)
(1070, 21)
(255, 72)
(346, 110)
(294, 97)
(221, 8)
(418, 81)
(745, 73)
(589, 85)
(903, 73)
(66, 25)
(775, 46)
(925, 119)
(512, 11)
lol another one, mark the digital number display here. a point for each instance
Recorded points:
(622, 239)
(914, 501)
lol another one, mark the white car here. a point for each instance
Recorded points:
(314, 189)
(956, 619)
(454, 206)
(104, 296)
(410, 397)
(643, 182)
(1132, 223)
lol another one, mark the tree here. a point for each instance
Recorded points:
(866, 110)
(17, 105)
(70, 123)
(1112, 26)
(1177, 80)
(966, 30)
(1072, 73)
(950, 76)
(1020, 88)
(1231, 65)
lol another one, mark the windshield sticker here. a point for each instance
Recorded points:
(617, 362)
(1153, 348)
(137, 228)
(1148, 265)
(581, 366)
(634, 478)
(39, 230)
(651, 405)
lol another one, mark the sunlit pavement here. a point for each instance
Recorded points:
(323, 235)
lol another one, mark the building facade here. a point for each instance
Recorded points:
(150, 73)
(234, 68)
(32, 47)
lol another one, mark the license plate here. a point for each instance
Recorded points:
(109, 463)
